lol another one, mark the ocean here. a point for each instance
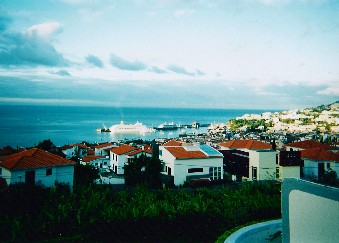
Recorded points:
(27, 125)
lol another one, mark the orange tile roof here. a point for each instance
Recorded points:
(248, 144)
(33, 158)
(90, 151)
(319, 154)
(123, 149)
(80, 145)
(172, 143)
(103, 145)
(90, 158)
(65, 147)
(181, 153)
(308, 144)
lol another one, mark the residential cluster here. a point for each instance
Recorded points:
(282, 149)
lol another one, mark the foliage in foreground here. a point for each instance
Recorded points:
(94, 213)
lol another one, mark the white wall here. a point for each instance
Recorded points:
(312, 218)
(179, 167)
(310, 168)
(265, 161)
(61, 174)
(69, 152)
(335, 167)
(289, 172)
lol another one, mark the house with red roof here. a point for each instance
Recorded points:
(121, 155)
(319, 160)
(309, 144)
(190, 162)
(100, 162)
(36, 166)
(103, 149)
(249, 159)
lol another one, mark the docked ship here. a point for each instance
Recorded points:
(130, 128)
(169, 126)
(105, 129)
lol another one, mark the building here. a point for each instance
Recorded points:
(103, 149)
(189, 162)
(68, 150)
(119, 157)
(249, 159)
(290, 165)
(308, 144)
(36, 166)
(317, 161)
(100, 162)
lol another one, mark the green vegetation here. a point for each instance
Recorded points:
(94, 213)
(252, 125)
(143, 170)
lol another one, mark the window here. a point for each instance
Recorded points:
(194, 170)
(215, 173)
(105, 163)
(160, 152)
(328, 166)
(0, 171)
(277, 172)
(48, 171)
(254, 173)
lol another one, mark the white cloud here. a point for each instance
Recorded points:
(330, 91)
(45, 30)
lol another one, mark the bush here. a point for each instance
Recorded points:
(94, 213)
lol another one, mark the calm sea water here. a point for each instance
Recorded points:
(27, 125)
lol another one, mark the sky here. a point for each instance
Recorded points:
(249, 54)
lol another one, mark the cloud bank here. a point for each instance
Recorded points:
(124, 64)
(94, 61)
(31, 48)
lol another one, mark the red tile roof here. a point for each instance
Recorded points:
(172, 143)
(80, 145)
(123, 149)
(90, 158)
(90, 151)
(308, 144)
(33, 158)
(246, 144)
(103, 145)
(181, 153)
(319, 154)
(65, 147)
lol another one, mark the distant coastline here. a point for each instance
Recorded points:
(26, 125)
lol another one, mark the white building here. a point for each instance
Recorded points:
(308, 144)
(121, 155)
(188, 162)
(255, 160)
(317, 161)
(36, 166)
(100, 162)
(68, 150)
(103, 149)
(118, 158)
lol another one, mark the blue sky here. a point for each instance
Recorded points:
(265, 54)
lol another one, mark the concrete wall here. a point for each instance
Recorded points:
(265, 161)
(310, 212)
(61, 174)
(289, 172)
(179, 167)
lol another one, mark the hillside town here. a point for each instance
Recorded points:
(297, 143)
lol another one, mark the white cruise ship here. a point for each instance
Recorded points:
(130, 128)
